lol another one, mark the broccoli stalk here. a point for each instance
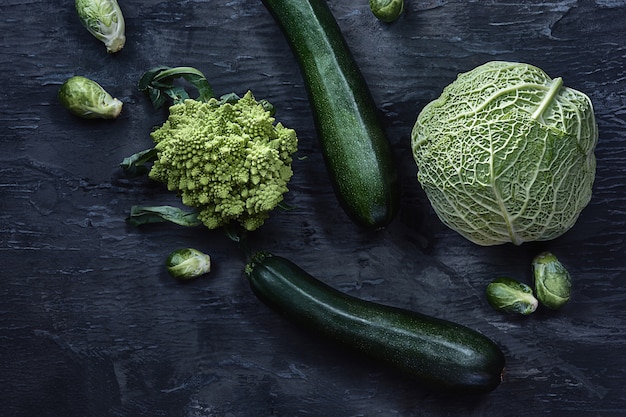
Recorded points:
(226, 158)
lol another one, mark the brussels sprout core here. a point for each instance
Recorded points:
(510, 296)
(188, 263)
(553, 284)
(86, 98)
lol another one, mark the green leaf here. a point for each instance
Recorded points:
(135, 165)
(140, 215)
(230, 98)
(158, 84)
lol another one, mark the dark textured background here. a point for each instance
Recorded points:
(92, 325)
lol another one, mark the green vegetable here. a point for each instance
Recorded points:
(229, 161)
(506, 154)
(86, 98)
(104, 20)
(226, 158)
(158, 84)
(140, 215)
(137, 164)
(356, 150)
(434, 351)
(387, 10)
(553, 284)
(188, 263)
(510, 296)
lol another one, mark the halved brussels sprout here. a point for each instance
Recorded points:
(188, 263)
(104, 20)
(510, 296)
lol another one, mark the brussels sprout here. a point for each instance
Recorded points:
(387, 10)
(86, 98)
(510, 296)
(104, 20)
(188, 263)
(553, 284)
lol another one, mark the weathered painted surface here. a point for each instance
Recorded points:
(90, 323)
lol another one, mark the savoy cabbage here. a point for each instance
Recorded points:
(506, 154)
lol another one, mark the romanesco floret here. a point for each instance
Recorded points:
(229, 161)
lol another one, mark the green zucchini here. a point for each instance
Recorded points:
(356, 150)
(434, 351)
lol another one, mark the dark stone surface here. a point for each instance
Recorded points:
(90, 322)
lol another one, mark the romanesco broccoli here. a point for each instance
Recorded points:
(227, 160)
